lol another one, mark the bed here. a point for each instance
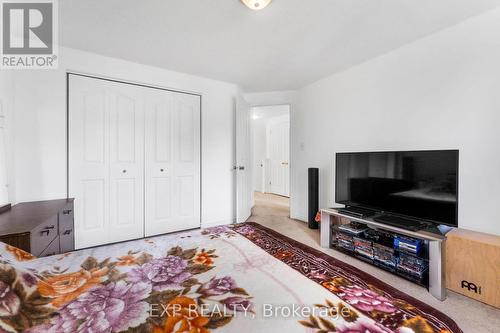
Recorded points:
(235, 278)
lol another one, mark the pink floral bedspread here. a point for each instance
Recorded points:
(238, 278)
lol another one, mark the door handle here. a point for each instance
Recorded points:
(241, 168)
(284, 163)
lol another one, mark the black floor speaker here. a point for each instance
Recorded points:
(313, 197)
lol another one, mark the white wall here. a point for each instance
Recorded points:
(7, 189)
(440, 92)
(40, 128)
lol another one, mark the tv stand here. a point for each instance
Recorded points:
(434, 242)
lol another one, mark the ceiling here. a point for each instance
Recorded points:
(287, 45)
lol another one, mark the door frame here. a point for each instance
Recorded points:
(70, 73)
(289, 141)
(240, 101)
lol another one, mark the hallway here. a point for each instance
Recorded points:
(273, 211)
(270, 204)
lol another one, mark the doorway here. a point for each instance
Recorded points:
(270, 127)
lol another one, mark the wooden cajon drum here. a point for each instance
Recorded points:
(473, 265)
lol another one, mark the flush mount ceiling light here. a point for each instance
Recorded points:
(256, 4)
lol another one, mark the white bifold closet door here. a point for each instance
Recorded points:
(172, 159)
(106, 175)
(134, 160)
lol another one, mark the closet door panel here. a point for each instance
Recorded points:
(172, 162)
(187, 162)
(186, 196)
(158, 162)
(93, 209)
(162, 195)
(89, 160)
(94, 126)
(127, 162)
(185, 114)
(162, 118)
(106, 174)
(126, 125)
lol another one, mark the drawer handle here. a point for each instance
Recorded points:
(49, 227)
(67, 232)
(67, 212)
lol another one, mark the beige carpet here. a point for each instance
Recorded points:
(472, 316)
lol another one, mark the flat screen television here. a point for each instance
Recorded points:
(418, 184)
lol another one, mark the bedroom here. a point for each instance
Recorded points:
(127, 162)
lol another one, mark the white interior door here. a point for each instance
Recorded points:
(126, 149)
(243, 166)
(105, 160)
(172, 162)
(278, 149)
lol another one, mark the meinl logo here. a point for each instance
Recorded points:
(29, 34)
(471, 287)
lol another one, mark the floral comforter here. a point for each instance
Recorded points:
(237, 278)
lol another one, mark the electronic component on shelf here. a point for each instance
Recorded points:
(372, 235)
(353, 228)
(379, 236)
(344, 236)
(357, 211)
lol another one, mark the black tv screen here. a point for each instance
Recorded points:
(418, 184)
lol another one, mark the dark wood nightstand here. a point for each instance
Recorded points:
(41, 228)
